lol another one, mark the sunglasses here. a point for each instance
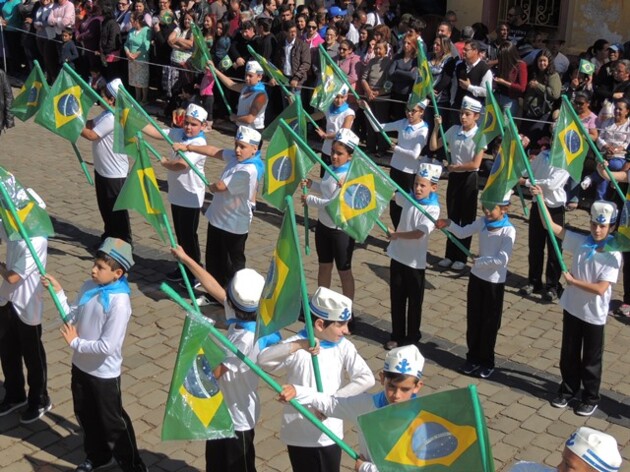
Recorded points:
(579, 103)
(412, 110)
(311, 27)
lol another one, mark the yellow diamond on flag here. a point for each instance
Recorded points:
(200, 390)
(278, 273)
(431, 440)
(572, 142)
(490, 120)
(148, 174)
(281, 168)
(22, 215)
(33, 94)
(357, 197)
(67, 105)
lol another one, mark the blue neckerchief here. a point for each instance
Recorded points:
(432, 199)
(502, 223)
(593, 245)
(323, 344)
(104, 291)
(380, 400)
(341, 169)
(198, 135)
(259, 87)
(409, 127)
(333, 110)
(264, 341)
(256, 160)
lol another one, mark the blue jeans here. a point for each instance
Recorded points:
(614, 164)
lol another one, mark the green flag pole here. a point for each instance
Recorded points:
(307, 247)
(596, 151)
(305, 301)
(27, 240)
(256, 369)
(82, 163)
(319, 160)
(539, 199)
(488, 463)
(519, 190)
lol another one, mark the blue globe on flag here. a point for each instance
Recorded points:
(68, 105)
(200, 381)
(357, 196)
(282, 169)
(432, 440)
(33, 94)
(572, 141)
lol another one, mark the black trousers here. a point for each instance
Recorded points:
(225, 254)
(315, 459)
(116, 223)
(406, 295)
(19, 341)
(185, 224)
(107, 428)
(405, 180)
(581, 358)
(626, 277)
(483, 319)
(538, 239)
(461, 206)
(374, 141)
(232, 454)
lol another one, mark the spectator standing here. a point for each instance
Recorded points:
(137, 50)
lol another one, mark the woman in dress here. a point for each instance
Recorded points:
(137, 51)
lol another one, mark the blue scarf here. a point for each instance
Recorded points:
(256, 160)
(594, 246)
(259, 87)
(323, 344)
(380, 400)
(264, 341)
(104, 292)
(341, 169)
(502, 223)
(432, 199)
(333, 110)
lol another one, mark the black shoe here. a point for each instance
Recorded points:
(32, 414)
(486, 372)
(560, 401)
(528, 290)
(175, 276)
(585, 409)
(8, 407)
(550, 295)
(469, 367)
(89, 466)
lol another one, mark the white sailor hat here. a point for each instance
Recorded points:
(40, 202)
(343, 90)
(422, 104)
(429, 171)
(330, 305)
(253, 66)
(248, 135)
(506, 198)
(603, 212)
(597, 449)
(112, 87)
(196, 112)
(405, 360)
(245, 289)
(471, 104)
(347, 137)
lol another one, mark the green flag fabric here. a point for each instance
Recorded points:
(34, 218)
(196, 409)
(361, 199)
(293, 115)
(424, 81)
(586, 67)
(433, 433)
(65, 109)
(270, 69)
(285, 166)
(201, 55)
(129, 121)
(281, 299)
(31, 95)
(507, 168)
(329, 86)
(492, 122)
(569, 147)
(141, 192)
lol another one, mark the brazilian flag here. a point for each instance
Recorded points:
(361, 200)
(330, 83)
(424, 82)
(34, 218)
(281, 300)
(620, 239)
(507, 168)
(285, 166)
(201, 55)
(293, 115)
(196, 409)
(129, 121)
(270, 69)
(31, 95)
(64, 110)
(492, 122)
(441, 432)
(569, 147)
(141, 192)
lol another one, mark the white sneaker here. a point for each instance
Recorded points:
(586, 183)
(458, 265)
(445, 263)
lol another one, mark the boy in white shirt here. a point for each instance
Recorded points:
(96, 332)
(408, 251)
(309, 449)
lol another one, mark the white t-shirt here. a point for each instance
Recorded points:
(461, 144)
(334, 122)
(412, 252)
(411, 140)
(232, 210)
(550, 179)
(244, 106)
(185, 188)
(591, 267)
(107, 162)
(328, 189)
(27, 294)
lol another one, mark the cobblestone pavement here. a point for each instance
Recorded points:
(523, 426)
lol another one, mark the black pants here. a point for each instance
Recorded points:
(374, 141)
(406, 295)
(626, 277)
(483, 319)
(315, 459)
(107, 429)
(461, 206)
(581, 358)
(225, 254)
(185, 224)
(232, 454)
(405, 181)
(21, 341)
(116, 223)
(538, 239)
